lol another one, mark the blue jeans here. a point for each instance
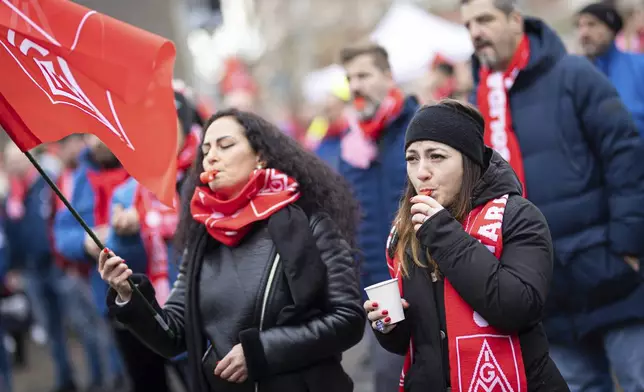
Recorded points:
(587, 367)
(42, 287)
(91, 327)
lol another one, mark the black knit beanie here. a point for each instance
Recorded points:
(606, 13)
(445, 124)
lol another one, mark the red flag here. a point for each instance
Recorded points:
(68, 69)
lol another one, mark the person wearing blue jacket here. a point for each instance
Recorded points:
(97, 175)
(560, 122)
(372, 160)
(99, 172)
(597, 26)
(80, 311)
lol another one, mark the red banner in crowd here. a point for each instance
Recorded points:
(68, 69)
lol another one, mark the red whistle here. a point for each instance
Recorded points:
(208, 176)
(426, 192)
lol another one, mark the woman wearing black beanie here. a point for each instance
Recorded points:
(473, 260)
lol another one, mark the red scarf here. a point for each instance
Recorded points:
(228, 220)
(104, 182)
(158, 224)
(388, 110)
(480, 357)
(18, 189)
(188, 152)
(494, 103)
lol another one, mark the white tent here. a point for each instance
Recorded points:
(413, 37)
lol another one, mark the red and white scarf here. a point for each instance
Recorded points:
(358, 147)
(494, 103)
(158, 224)
(480, 356)
(18, 189)
(228, 220)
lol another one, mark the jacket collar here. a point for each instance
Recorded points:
(604, 61)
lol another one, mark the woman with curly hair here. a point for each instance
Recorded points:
(268, 297)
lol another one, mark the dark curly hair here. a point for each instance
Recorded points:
(322, 190)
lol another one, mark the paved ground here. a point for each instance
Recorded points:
(38, 376)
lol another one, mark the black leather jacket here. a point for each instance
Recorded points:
(300, 353)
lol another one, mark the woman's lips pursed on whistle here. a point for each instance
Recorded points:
(426, 192)
(208, 176)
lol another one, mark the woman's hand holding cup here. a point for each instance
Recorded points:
(115, 272)
(379, 318)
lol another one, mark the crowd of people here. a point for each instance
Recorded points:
(505, 198)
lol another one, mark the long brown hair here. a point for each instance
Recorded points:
(459, 208)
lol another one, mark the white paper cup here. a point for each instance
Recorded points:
(387, 295)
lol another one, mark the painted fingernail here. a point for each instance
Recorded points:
(105, 250)
(374, 304)
(388, 319)
(385, 312)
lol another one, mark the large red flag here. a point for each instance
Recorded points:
(67, 69)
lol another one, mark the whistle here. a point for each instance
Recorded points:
(208, 176)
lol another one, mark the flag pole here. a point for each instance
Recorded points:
(96, 240)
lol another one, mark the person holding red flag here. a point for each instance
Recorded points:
(141, 230)
(268, 295)
(473, 261)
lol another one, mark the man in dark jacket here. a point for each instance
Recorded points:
(597, 26)
(373, 162)
(565, 131)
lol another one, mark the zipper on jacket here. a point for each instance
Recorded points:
(267, 291)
